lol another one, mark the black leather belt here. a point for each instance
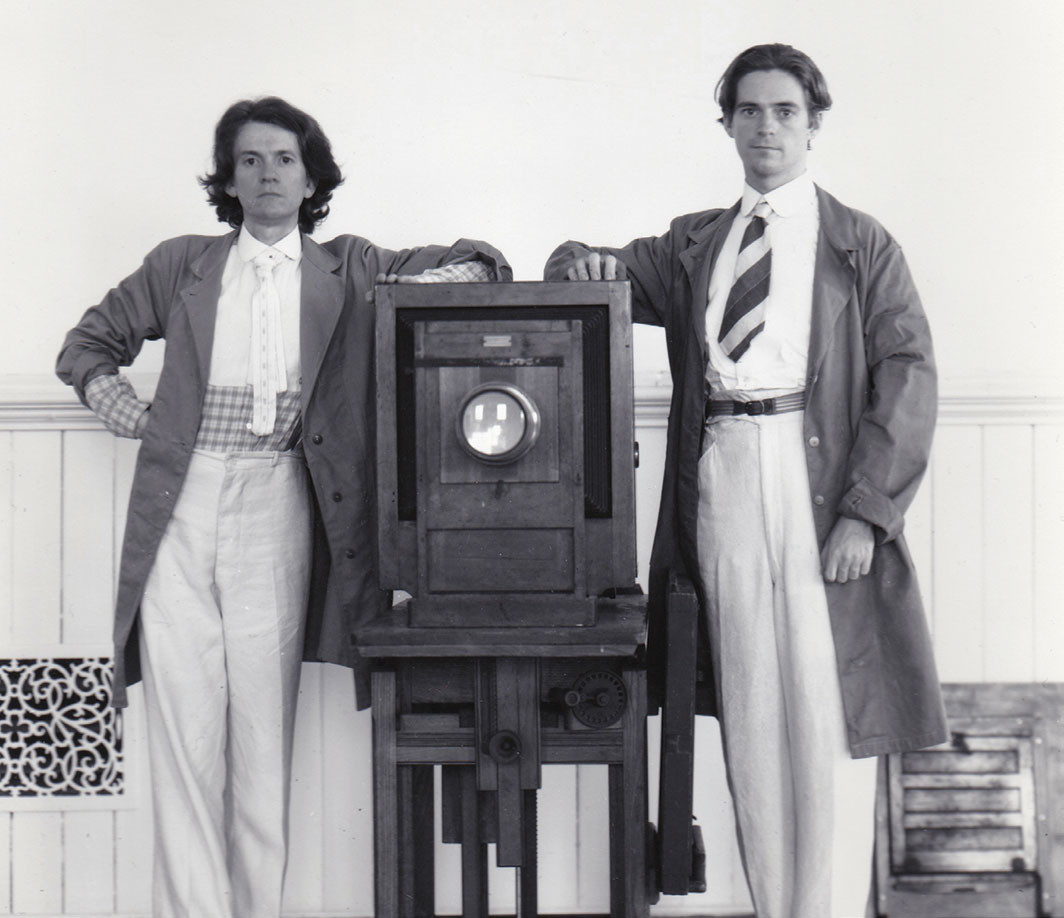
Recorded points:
(792, 401)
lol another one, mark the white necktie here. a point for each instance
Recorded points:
(267, 370)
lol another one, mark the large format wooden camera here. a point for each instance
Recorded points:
(506, 472)
(506, 499)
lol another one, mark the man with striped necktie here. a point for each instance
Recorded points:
(803, 407)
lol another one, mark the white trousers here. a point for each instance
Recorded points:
(221, 643)
(793, 783)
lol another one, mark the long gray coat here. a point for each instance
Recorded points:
(871, 406)
(174, 295)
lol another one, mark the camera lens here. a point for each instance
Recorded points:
(493, 423)
(497, 423)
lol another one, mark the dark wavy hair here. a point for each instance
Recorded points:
(775, 57)
(314, 148)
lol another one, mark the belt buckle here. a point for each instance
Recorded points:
(760, 406)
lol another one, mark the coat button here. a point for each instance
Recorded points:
(819, 500)
(316, 439)
(350, 553)
(814, 441)
(337, 496)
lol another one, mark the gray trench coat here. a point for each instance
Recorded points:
(174, 295)
(871, 406)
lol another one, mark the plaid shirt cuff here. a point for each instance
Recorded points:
(116, 404)
(463, 272)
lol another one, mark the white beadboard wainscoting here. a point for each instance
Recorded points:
(987, 532)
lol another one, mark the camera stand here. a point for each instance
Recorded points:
(492, 705)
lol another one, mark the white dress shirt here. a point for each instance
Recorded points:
(230, 355)
(777, 357)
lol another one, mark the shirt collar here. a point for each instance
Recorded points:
(796, 197)
(247, 246)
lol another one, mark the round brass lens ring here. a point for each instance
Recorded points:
(494, 434)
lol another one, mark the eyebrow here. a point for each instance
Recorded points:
(772, 104)
(260, 153)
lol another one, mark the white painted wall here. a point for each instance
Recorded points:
(526, 123)
(986, 532)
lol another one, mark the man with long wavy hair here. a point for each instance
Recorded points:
(250, 539)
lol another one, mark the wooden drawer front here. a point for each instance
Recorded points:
(964, 808)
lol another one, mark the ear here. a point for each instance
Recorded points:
(727, 122)
(814, 124)
(310, 189)
(230, 190)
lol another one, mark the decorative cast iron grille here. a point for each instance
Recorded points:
(59, 735)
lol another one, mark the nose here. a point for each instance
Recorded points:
(767, 123)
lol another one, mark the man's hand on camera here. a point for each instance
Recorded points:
(594, 266)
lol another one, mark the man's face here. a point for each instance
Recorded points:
(269, 179)
(771, 128)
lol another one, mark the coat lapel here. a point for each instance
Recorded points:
(698, 261)
(201, 298)
(321, 302)
(833, 278)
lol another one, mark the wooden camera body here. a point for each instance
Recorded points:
(506, 509)
(506, 483)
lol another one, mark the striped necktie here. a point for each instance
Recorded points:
(744, 311)
(267, 370)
